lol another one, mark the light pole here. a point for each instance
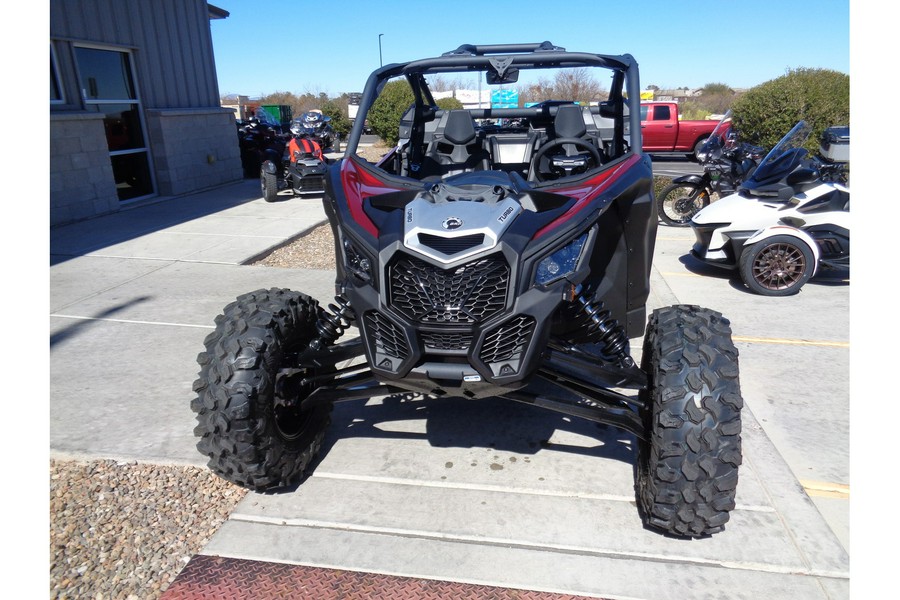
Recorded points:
(380, 61)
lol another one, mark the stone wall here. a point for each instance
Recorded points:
(193, 149)
(81, 177)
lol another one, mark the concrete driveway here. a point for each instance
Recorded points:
(484, 492)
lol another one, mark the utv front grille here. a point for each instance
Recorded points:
(504, 345)
(469, 293)
(446, 341)
(385, 338)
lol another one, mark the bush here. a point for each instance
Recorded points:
(339, 121)
(449, 104)
(387, 110)
(765, 113)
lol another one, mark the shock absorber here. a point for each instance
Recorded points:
(603, 329)
(333, 322)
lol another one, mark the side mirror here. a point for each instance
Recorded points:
(801, 176)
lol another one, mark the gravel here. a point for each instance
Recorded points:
(314, 249)
(123, 530)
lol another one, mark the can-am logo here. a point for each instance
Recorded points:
(452, 223)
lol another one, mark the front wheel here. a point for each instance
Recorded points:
(254, 431)
(777, 266)
(687, 469)
(679, 202)
(269, 184)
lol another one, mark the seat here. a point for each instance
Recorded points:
(570, 150)
(455, 148)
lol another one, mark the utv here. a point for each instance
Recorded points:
(494, 252)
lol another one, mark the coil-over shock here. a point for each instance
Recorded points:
(333, 322)
(603, 329)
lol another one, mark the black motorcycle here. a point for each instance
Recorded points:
(726, 163)
(317, 126)
(260, 140)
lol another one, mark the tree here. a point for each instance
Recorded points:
(387, 110)
(821, 97)
(716, 97)
(569, 84)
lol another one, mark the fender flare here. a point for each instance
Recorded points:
(692, 179)
(269, 167)
(801, 235)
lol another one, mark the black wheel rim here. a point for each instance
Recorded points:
(290, 420)
(683, 204)
(779, 266)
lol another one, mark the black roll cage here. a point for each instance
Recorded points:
(498, 58)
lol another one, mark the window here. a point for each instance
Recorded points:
(107, 86)
(662, 113)
(56, 93)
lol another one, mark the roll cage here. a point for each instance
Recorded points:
(611, 125)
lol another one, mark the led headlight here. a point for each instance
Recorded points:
(561, 263)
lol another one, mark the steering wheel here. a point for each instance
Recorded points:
(577, 142)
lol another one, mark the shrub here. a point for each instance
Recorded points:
(387, 110)
(339, 120)
(449, 104)
(821, 97)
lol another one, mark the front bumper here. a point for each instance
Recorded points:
(715, 245)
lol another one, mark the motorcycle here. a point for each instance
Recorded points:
(725, 161)
(318, 126)
(259, 140)
(301, 168)
(787, 220)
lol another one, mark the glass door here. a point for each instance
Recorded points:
(107, 86)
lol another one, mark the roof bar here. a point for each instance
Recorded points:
(473, 50)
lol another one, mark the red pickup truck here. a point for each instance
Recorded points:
(663, 131)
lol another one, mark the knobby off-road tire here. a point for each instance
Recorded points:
(249, 440)
(687, 472)
(678, 202)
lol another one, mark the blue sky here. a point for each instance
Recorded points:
(266, 46)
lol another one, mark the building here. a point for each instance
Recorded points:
(134, 105)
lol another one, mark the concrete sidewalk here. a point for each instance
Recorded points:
(484, 492)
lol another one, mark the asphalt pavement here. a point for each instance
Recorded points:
(486, 492)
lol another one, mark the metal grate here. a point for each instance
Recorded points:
(220, 578)
(446, 341)
(508, 341)
(387, 338)
(467, 294)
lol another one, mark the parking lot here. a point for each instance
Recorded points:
(484, 492)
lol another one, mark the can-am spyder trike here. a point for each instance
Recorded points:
(300, 169)
(479, 263)
(787, 220)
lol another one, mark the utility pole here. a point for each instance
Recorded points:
(380, 61)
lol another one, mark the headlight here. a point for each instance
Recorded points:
(561, 263)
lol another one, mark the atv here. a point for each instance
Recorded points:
(484, 261)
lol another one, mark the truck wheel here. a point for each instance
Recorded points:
(687, 469)
(777, 266)
(253, 436)
(679, 202)
(269, 184)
